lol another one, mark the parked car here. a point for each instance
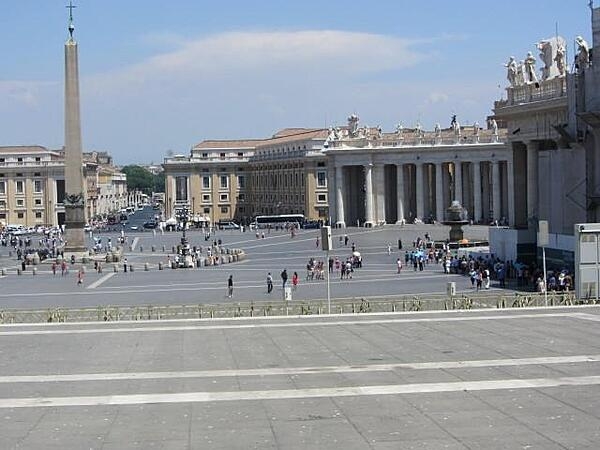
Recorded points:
(150, 225)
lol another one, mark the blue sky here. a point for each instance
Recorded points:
(159, 76)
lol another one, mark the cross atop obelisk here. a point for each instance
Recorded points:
(70, 7)
(75, 195)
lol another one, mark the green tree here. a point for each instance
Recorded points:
(139, 178)
(159, 182)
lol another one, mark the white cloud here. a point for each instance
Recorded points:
(23, 93)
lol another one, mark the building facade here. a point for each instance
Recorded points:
(239, 179)
(32, 185)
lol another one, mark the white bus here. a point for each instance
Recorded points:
(281, 220)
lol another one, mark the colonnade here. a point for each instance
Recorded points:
(373, 193)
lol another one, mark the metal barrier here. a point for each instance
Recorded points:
(280, 308)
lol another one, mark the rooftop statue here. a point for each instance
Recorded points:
(511, 71)
(353, 125)
(400, 129)
(582, 60)
(530, 75)
(560, 60)
(438, 130)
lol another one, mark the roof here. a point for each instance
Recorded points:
(229, 143)
(25, 149)
(300, 134)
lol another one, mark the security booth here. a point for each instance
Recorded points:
(587, 260)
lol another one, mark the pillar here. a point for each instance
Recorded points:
(510, 184)
(339, 197)
(419, 191)
(532, 183)
(379, 189)
(400, 192)
(369, 195)
(439, 192)
(476, 192)
(496, 191)
(458, 191)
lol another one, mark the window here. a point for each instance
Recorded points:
(38, 202)
(181, 193)
(3, 216)
(206, 182)
(224, 181)
(20, 187)
(20, 202)
(20, 215)
(240, 154)
(206, 210)
(2, 187)
(37, 174)
(241, 197)
(205, 155)
(38, 159)
(3, 204)
(241, 182)
(20, 160)
(321, 178)
(38, 215)
(224, 197)
(206, 198)
(322, 198)
(222, 155)
(224, 209)
(37, 186)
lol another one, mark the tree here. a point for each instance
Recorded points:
(139, 179)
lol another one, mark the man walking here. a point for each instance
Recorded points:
(284, 278)
(269, 283)
(230, 286)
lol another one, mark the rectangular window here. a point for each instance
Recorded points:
(205, 182)
(224, 181)
(241, 182)
(38, 215)
(222, 155)
(205, 155)
(206, 198)
(206, 210)
(20, 215)
(20, 186)
(3, 216)
(38, 202)
(322, 198)
(240, 154)
(321, 179)
(242, 197)
(224, 197)
(3, 204)
(2, 187)
(224, 209)
(181, 191)
(60, 191)
(20, 202)
(37, 186)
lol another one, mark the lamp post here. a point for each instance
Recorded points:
(182, 216)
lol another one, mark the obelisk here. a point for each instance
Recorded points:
(74, 188)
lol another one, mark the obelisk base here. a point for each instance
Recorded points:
(74, 224)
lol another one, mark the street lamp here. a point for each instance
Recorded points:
(182, 216)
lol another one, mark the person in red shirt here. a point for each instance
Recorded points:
(295, 280)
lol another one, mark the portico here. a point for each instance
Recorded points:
(393, 183)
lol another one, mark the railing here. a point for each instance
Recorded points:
(428, 139)
(544, 90)
(294, 308)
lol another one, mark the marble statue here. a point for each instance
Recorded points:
(379, 132)
(560, 60)
(545, 48)
(582, 60)
(400, 129)
(455, 126)
(476, 129)
(353, 125)
(494, 127)
(530, 75)
(438, 130)
(511, 71)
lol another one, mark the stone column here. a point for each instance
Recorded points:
(400, 192)
(496, 191)
(532, 183)
(458, 193)
(476, 192)
(75, 193)
(379, 189)
(439, 192)
(369, 195)
(419, 191)
(339, 197)
(510, 183)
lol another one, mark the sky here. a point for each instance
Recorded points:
(159, 76)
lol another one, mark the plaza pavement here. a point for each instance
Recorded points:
(494, 379)
(377, 278)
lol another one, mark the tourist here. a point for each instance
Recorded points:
(80, 276)
(269, 283)
(295, 281)
(284, 278)
(399, 265)
(230, 286)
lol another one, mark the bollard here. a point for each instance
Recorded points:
(141, 249)
(153, 248)
(115, 268)
(19, 271)
(160, 265)
(173, 249)
(10, 254)
(164, 249)
(130, 267)
(146, 268)
(34, 271)
(3, 272)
